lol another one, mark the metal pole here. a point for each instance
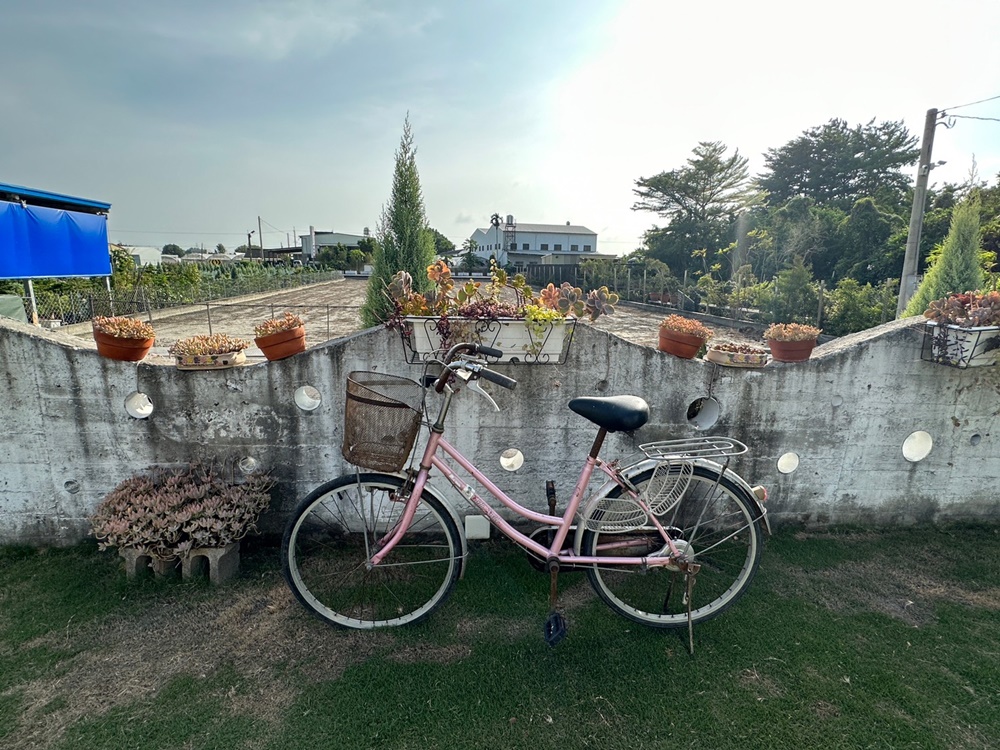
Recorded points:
(34, 306)
(908, 279)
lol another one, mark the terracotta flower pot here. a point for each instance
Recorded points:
(283, 343)
(791, 351)
(682, 345)
(124, 350)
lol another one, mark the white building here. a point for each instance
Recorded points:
(143, 256)
(533, 244)
(315, 241)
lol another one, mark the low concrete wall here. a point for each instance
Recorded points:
(68, 439)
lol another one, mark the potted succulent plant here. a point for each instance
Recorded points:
(963, 330)
(729, 354)
(123, 338)
(209, 352)
(504, 313)
(683, 337)
(166, 515)
(791, 342)
(282, 337)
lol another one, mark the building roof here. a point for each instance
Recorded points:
(550, 228)
(50, 200)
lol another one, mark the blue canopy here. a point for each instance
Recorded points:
(46, 235)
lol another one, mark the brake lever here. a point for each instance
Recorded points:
(474, 386)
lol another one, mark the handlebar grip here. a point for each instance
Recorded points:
(489, 351)
(496, 377)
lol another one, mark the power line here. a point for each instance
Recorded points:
(970, 117)
(970, 104)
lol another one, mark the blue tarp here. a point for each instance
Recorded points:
(38, 242)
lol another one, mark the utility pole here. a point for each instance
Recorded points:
(908, 280)
(260, 236)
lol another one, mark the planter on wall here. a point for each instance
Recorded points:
(124, 350)
(282, 344)
(736, 359)
(682, 345)
(955, 346)
(519, 340)
(791, 351)
(209, 361)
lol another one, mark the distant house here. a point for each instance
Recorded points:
(141, 255)
(534, 244)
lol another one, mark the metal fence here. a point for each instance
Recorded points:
(65, 308)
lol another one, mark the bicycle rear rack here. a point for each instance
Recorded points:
(686, 449)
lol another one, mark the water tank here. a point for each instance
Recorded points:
(510, 220)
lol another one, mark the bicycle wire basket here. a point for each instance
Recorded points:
(664, 490)
(382, 415)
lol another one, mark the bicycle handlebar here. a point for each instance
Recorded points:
(483, 372)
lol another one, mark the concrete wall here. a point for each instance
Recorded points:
(68, 440)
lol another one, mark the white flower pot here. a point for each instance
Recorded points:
(961, 347)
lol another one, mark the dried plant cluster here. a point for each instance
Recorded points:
(123, 327)
(791, 332)
(287, 322)
(727, 346)
(217, 343)
(967, 310)
(503, 297)
(689, 326)
(166, 513)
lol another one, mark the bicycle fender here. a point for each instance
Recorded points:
(446, 504)
(648, 464)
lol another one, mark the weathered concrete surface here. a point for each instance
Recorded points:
(68, 439)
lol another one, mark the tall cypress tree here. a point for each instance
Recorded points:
(957, 268)
(404, 241)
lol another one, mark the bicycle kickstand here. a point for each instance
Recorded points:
(555, 623)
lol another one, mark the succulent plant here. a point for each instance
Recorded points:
(287, 322)
(601, 302)
(791, 332)
(689, 326)
(217, 343)
(966, 309)
(167, 512)
(123, 327)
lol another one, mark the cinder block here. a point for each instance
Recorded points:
(223, 563)
(137, 561)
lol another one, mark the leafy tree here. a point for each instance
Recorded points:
(852, 307)
(795, 296)
(863, 235)
(837, 164)
(701, 201)
(957, 268)
(173, 250)
(404, 242)
(443, 247)
(220, 248)
(471, 262)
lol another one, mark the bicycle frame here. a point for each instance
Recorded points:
(437, 443)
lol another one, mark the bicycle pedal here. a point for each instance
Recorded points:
(555, 629)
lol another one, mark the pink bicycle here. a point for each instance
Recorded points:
(384, 548)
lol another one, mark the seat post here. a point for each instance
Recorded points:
(598, 442)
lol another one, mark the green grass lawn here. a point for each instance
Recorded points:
(850, 639)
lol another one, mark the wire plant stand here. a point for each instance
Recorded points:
(522, 342)
(959, 347)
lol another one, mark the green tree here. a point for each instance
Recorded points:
(852, 307)
(837, 164)
(404, 241)
(957, 268)
(863, 237)
(220, 248)
(173, 250)
(795, 296)
(701, 202)
(443, 247)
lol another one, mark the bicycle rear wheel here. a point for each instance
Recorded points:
(332, 535)
(715, 523)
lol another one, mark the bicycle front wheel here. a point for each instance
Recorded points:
(333, 534)
(717, 526)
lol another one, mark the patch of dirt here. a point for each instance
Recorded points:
(259, 632)
(907, 594)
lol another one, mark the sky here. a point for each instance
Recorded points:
(195, 118)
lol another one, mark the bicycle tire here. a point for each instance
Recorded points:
(325, 551)
(717, 524)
